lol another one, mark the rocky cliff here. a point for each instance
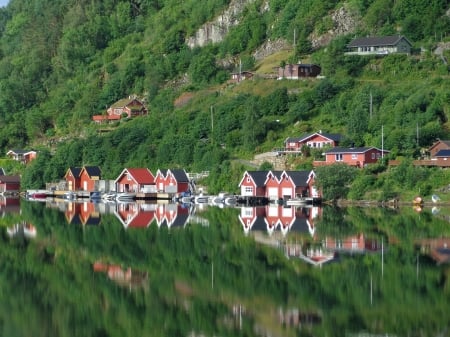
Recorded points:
(215, 31)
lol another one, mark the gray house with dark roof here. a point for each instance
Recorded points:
(383, 45)
(313, 140)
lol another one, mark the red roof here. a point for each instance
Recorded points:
(141, 175)
(142, 219)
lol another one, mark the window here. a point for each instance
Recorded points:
(128, 176)
(248, 179)
(248, 189)
(338, 156)
(373, 155)
(248, 212)
(354, 156)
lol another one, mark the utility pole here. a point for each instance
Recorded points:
(212, 125)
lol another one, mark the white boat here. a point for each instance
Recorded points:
(187, 199)
(201, 199)
(296, 202)
(110, 196)
(230, 200)
(70, 195)
(125, 196)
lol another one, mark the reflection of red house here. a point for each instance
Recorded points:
(171, 215)
(9, 205)
(128, 107)
(357, 243)
(89, 215)
(312, 140)
(22, 156)
(9, 184)
(89, 178)
(172, 181)
(132, 215)
(72, 213)
(72, 177)
(253, 218)
(135, 180)
(356, 156)
(437, 249)
(128, 277)
(277, 217)
(84, 213)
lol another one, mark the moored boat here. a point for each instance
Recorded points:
(125, 196)
(296, 202)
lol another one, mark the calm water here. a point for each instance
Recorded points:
(85, 269)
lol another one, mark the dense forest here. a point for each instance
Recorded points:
(61, 62)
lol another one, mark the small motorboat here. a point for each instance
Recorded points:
(435, 198)
(201, 199)
(296, 202)
(125, 196)
(39, 195)
(70, 196)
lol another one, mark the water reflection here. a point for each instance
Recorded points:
(22, 230)
(126, 277)
(247, 272)
(9, 204)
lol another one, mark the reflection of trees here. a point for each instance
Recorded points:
(334, 223)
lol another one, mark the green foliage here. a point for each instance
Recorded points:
(334, 180)
(62, 64)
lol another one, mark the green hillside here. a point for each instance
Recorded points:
(61, 62)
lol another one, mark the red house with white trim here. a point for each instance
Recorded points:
(253, 184)
(9, 184)
(297, 184)
(276, 185)
(22, 156)
(355, 156)
(89, 178)
(172, 181)
(135, 180)
(72, 178)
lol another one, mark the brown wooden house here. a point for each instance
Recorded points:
(127, 107)
(296, 71)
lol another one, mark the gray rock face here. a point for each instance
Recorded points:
(213, 32)
(344, 22)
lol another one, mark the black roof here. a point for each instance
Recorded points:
(93, 171)
(349, 150)
(443, 153)
(75, 171)
(180, 175)
(299, 177)
(377, 41)
(259, 177)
